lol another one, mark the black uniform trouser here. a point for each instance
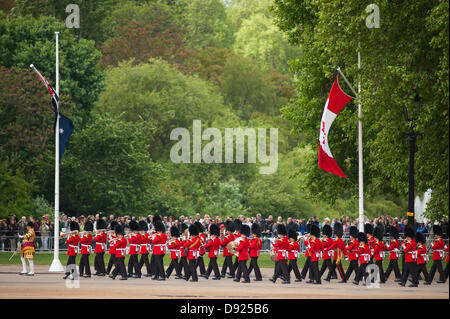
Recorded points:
(159, 266)
(213, 266)
(410, 269)
(99, 263)
(314, 271)
(133, 265)
(281, 268)
(422, 268)
(352, 267)
(235, 266)
(340, 269)
(192, 270)
(361, 273)
(70, 261)
(437, 264)
(144, 260)
(326, 264)
(293, 266)
(393, 265)
(306, 266)
(185, 266)
(227, 263)
(379, 263)
(84, 265)
(201, 265)
(152, 264)
(242, 269)
(120, 267)
(111, 262)
(446, 272)
(173, 265)
(254, 265)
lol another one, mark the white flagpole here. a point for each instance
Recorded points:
(360, 152)
(56, 263)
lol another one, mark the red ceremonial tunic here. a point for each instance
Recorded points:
(410, 251)
(100, 243)
(243, 248)
(364, 254)
(145, 243)
(393, 248)
(293, 250)
(316, 249)
(422, 257)
(73, 248)
(194, 246)
(326, 253)
(159, 244)
(214, 246)
(352, 249)
(307, 244)
(112, 249)
(86, 242)
(183, 254)
(446, 249)
(438, 249)
(120, 247)
(255, 246)
(282, 248)
(203, 239)
(372, 243)
(174, 248)
(378, 251)
(135, 244)
(335, 245)
(224, 243)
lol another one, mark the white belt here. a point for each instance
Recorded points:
(138, 247)
(396, 251)
(102, 244)
(195, 253)
(89, 247)
(381, 254)
(413, 254)
(366, 257)
(163, 247)
(216, 253)
(144, 245)
(441, 252)
(176, 251)
(76, 248)
(284, 253)
(122, 251)
(425, 257)
(295, 252)
(331, 253)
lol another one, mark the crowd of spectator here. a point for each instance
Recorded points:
(11, 227)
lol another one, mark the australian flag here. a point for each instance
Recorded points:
(65, 124)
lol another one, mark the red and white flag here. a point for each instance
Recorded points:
(336, 101)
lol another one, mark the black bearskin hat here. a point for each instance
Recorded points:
(420, 238)
(338, 230)
(156, 218)
(437, 230)
(74, 226)
(101, 224)
(214, 230)
(256, 230)
(199, 227)
(409, 232)
(353, 231)
(143, 225)
(134, 225)
(292, 234)
(184, 227)
(308, 228)
(378, 233)
(368, 229)
(362, 237)
(174, 232)
(237, 224)
(118, 230)
(315, 231)
(193, 230)
(393, 232)
(88, 226)
(159, 226)
(113, 225)
(327, 230)
(245, 230)
(229, 226)
(281, 230)
(30, 224)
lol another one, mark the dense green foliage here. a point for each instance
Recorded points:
(135, 70)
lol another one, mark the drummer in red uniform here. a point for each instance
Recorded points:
(213, 245)
(228, 262)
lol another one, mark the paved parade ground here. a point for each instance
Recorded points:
(51, 285)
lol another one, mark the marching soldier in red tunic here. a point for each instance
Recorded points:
(446, 267)
(228, 262)
(255, 248)
(86, 248)
(120, 246)
(438, 254)
(293, 253)
(393, 248)
(193, 244)
(243, 255)
(145, 248)
(364, 257)
(183, 260)
(112, 250)
(422, 257)
(281, 245)
(135, 240)
(72, 241)
(410, 250)
(315, 250)
(202, 251)
(237, 234)
(352, 249)
(327, 254)
(307, 253)
(339, 251)
(175, 253)
(100, 248)
(368, 229)
(378, 251)
(213, 246)
(159, 249)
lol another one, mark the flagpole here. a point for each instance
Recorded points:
(56, 265)
(360, 153)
